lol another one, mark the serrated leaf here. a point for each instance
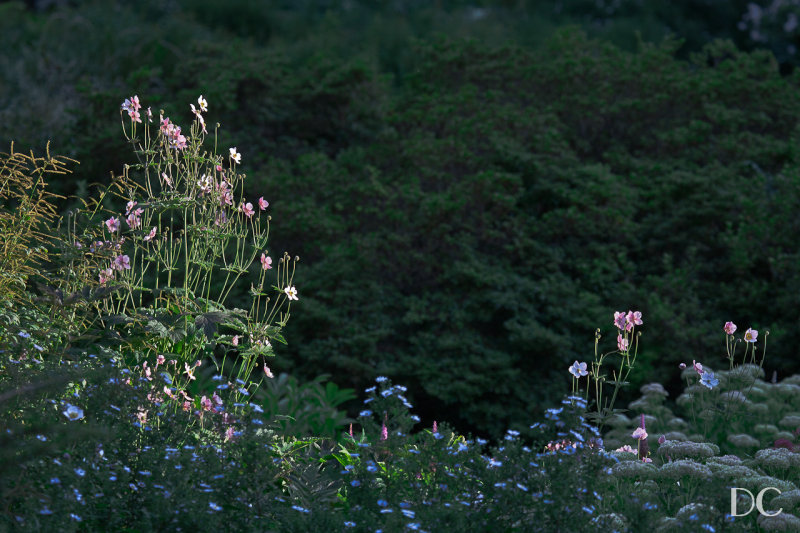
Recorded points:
(209, 322)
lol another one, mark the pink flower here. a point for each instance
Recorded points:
(205, 403)
(620, 320)
(622, 343)
(186, 406)
(149, 115)
(626, 448)
(235, 340)
(697, 367)
(682, 366)
(229, 434)
(130, 205)
(166, 179)
(189, 371)
(134, 220)
(262, 204)
(225, 194)
(646, 460)
(267, 371)
(750, 335)
(150, 235)
(160, 359)
(106, 276)
(730, 328)
(633, 318)
(112, 224)
(435, 427)
(639, 433)
(219, 168)
(122, 262)
(247, 209)
(216, 398)
(662, 439)
(266, 262)
(384, 432)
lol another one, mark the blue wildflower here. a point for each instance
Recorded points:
(709, 380)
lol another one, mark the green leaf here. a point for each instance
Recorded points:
(208, 322)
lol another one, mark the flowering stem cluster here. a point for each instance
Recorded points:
(626, 324)
(182, 243)
(737, 381)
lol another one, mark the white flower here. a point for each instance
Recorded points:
(291, 293)
(205, 183)
(236, 156)
(202, 103)
(73, 413)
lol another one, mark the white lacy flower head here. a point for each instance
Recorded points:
(687, 450)
(675, 470)
(743, 441)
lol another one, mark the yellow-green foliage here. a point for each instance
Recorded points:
(24, 210)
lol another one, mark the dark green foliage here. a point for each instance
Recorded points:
(517, 199)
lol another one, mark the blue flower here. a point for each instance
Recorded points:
(24, 335)
(214, 506)
(365, 413)
(349, 524)
(80, 471)
(709, 380)
(381, 379)
(383, 503)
